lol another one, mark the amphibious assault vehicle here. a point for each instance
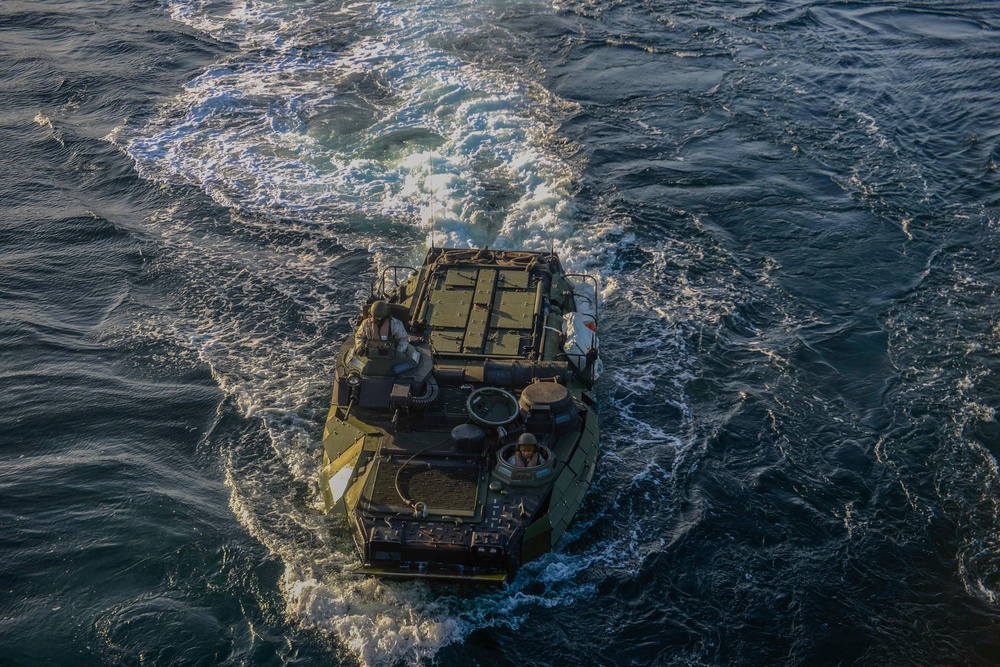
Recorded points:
(419, 446)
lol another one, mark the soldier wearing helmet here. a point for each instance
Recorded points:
(381, 326)
(526, 453)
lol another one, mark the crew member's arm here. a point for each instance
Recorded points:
(361, 336)
(399, 335)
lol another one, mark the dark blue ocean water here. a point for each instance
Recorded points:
(794, 210)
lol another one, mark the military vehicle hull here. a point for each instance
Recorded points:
(418, 443)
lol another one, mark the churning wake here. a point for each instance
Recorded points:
(368, 113)
(337, 131)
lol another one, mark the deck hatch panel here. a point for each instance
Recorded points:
(513, 310)
(514, 280)
(447, 487)
(458, 279)
(449, 310)
(479, 316)
(447, 340)
(506, 342)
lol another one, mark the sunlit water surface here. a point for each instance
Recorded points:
(793, 210)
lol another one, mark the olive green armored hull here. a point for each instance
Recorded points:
(417, 445)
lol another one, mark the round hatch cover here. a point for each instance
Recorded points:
(551, 394)
(492, 406)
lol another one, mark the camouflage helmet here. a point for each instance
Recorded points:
(379, 309)
(527, 441)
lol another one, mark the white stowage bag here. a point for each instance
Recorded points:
(581, 337)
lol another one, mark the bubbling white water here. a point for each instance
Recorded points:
(398, 123)
(351, 121)
(347, 120)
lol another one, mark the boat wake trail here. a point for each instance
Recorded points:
(334, 132)
(369, 113)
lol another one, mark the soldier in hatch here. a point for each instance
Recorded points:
(526, 455)
(381, 326)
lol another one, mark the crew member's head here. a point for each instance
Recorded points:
(527, 445)
(380, 310)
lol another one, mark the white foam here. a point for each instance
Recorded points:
(392, 125)
(381, 624)
(373, 121)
